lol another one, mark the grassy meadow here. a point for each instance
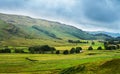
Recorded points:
(52, 63)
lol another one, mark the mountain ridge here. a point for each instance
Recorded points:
(104, 32)
(45, 26)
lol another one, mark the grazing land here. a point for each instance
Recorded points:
(52, 63)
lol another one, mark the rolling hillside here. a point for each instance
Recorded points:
(16, 29)
(109, 67)
(38, 28)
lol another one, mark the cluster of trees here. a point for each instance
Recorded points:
(113, 40)
(111, 46)
(19, 51)
(5, 50)
(41, 49)
(72, 51)
(77, 41)
(76, 50)
(91, 48)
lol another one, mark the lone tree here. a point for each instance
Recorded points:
(90, 48)
(72, 51)
(78, 49)
(99, 48)
(58, 52)
(65, 52)
(93, 43)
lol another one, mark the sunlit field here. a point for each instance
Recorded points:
(51, 63)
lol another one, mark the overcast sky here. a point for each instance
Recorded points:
(91, 15)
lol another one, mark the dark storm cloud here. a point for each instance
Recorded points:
(100, 10)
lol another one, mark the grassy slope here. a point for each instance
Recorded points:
(106, 67)
(8, 31)
(38, 31)
(60, 30)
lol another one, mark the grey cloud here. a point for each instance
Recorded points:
(103, 14)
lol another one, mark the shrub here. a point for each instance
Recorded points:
(118, 46)
(90, 48)
(111, 47)
(19, 51)
(72, 51)
(99, 48)
(65, 52)
(58, 52)
(93, 43)
(78, 49)
(52, 50)
(2, 51)
(7, 50)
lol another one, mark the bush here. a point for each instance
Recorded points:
(65, 52)
(90, 48)
(78, 49)
(58, 52)
(93, 43)
(19, 51)
(5, 50)
(118, 46)
(2, 51)
(52, 50)
(99, 48)
(72, 51)
(111, 47)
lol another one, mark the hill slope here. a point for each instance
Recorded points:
(108, 67)
(38, 28)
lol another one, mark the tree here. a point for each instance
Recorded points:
(90, 48)
(52, 50)
(58, 52)
(78, 49)
(65, 52)
(118, 46)
(93, 43)
(7, 50)
(31, 49)
(72, 51)
(19, 51)
(111, 47)
(99, 48)
(106, 45)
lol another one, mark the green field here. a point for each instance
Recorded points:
(51, 63)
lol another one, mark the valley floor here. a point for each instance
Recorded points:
(51, 63)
